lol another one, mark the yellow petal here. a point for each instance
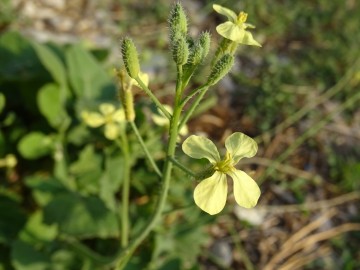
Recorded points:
(119, 116)
(210, 195)
(240, 145)
(249, 40)
(92, 119)
(160, 119)
(106, 108)
(231, 31)
(226, 12)
(201, 147)
(246, 191)
(112, 131)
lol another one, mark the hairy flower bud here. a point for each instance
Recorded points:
(180, 51)
(126, 95)
(130, 57)
(178, 21)
(220, 69)
(205, 43)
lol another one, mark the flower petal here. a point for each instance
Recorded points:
(92, 119)
(240, 145)
(119, 116)
(231, 15)
(201, 147)
(112, 131)
(249, 40)
(160, 119)
(246, 191)
(231, 31)
(210, 195)
(106, 108)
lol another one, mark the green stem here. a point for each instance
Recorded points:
(124, 214)
(193, 106)
(173, 133)
(147, 153)
(192, 94)
(153, 98)
(182, 167)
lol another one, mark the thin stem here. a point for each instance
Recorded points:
(182, 167)
(173, 133)
(124, 214)
(191, 94)
(153, 97)
(147, 153)
(193, 106)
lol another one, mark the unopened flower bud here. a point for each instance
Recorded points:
(180, 51)
(126, 95)
(220, 69)
(205, 43)
(178, 21)
(130, 57)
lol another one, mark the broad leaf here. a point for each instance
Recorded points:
(83, 217)
(87, 77)
(52, 63)
(35, 145)
(51, 106)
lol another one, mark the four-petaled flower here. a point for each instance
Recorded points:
(108, 116)
(210, 194)
(235, 28)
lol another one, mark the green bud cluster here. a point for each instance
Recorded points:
(200, 49)
(130, 57)
(220, 69)
(178, 35)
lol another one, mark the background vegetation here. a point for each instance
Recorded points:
(298, 96)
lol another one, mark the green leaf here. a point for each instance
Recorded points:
(36, 231)
(26, 257)
(87, 77)
(82, 217)
(18, 59)
(2, 102)
(111, 180)
(51, 106)
(35, 145)
(12, 219)
(52, 63)
(87, 170)
(44, 189)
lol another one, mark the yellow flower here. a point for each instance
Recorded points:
(111, 118)
(210, 195)
(235, 28)
(9, 161)
(162, 121)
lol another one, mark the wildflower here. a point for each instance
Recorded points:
(9, 161)
(235, 28)
(162, 121)
(210, 194)
(109, 117)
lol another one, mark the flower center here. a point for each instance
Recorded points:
(241, 18)
(224, 165)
